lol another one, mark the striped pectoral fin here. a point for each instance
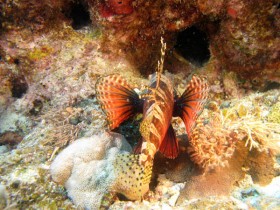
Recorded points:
(118, 99)
(191, 103)
(169, 146)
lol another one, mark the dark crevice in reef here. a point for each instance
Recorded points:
(122, 197)
(37, 107)
(193, 45)
(271, 86)
(79, 15)
(16, 61)
(19, 86)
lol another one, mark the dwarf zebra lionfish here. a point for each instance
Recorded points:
(159, 104)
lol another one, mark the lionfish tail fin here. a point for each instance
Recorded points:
(133, 178)
(191, 103)
(117, 98)
(169, 146)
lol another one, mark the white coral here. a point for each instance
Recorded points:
(85, 167)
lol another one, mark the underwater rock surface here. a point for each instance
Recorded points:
(242, 36)
(3, 196)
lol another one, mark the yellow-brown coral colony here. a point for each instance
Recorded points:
(52, 54)
(209, 149)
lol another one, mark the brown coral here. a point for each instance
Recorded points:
(211, 145)
(10, 138)
(210, 149)
(243, 36)
(30, 13)
(247, 41)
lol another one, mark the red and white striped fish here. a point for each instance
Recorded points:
(159, 104)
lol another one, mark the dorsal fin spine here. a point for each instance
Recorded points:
(161, 62)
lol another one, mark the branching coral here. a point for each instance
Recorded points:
(256, 132)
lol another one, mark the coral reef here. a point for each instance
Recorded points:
(253, 194)
(52, 52)
(274, 115)
(210, 149)
(86, 169)
(252, 128)
(10, 138)
(30, 14)
(241, 35)
(5, 90)
(248, 34)
(247, 42)
(113, 7)
(3, 197)
(214, 138)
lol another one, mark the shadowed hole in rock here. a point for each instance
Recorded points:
(37, 107)
(193, 45)
(122, 197)
(79, 15)
(16, 61)
(271, 86)
(19, 87)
